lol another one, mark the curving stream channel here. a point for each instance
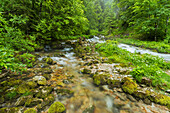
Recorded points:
(88, 98)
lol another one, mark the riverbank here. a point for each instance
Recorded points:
(76, 79)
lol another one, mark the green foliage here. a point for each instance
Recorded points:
(11, 95)
(147, 17)
(152, 72)
(7, 60)
(146, 65)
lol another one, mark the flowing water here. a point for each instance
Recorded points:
(134, 49)
(88, 98)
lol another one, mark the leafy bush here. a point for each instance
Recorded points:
(7, 60)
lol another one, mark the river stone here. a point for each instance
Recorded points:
(40, 80)
(119, 103)
(32, 102)
(21, 101)
(147, 101)
(56, 107)
(131, 98)
(30, 110)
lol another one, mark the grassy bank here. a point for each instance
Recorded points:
(145, 65)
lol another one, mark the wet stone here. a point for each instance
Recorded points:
(119, 103)
(40, 80)
(147, 101)
(131, 98)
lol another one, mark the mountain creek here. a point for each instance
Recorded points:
(69, 80)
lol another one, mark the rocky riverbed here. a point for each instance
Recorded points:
(75, 79)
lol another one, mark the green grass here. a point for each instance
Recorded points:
(145, 65)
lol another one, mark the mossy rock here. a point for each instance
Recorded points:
(13, 82)
(2, 100)
(113, 83)
(47, 101)
(57, 107)
(48, 60)
(129, 85)
(9, 110)
(43, 93)
(23, 88)
(162, 99)
(47, 76)
(32, 102)
(142, 94)
(86, 71)
(64, 92)
(100, 79)
(40, 80)
(30, 110)
(21, 101)
(31, 84)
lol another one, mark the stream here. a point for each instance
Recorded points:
(88, 98)
(133, 49)
(79, 82)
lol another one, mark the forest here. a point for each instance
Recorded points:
(46, 46)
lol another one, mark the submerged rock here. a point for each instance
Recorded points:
(56, 107)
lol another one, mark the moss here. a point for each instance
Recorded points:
(64, 92)
(13, 82)
(23, 88)
(32, 102)
(162, 99)
(86, 71)
(44, 92)
(100, 79)
(56, 107)
(30, 110)
(10, 95)
(47, 76)
(48, 60)
(31, 84)
(50, 99)
(3, 110)
(142, 93)
(129, 85)
(2, 100)
(113, 83)
(9, 110)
